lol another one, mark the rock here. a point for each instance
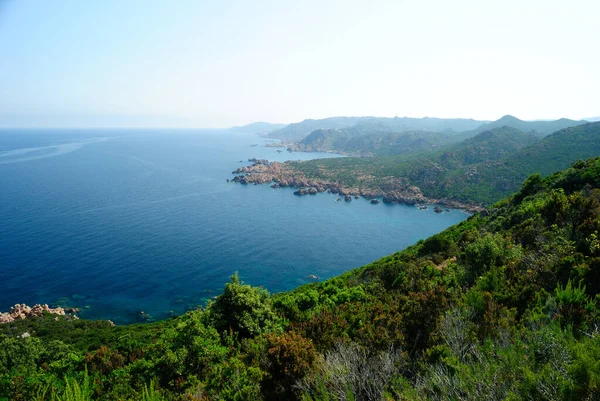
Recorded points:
(264, 162)
(22, 311)
(338, 200)
(110, 322)
(438, 209)
(275, 186)
(312, 191)
(25, 335)
(356, 197)
(422, 207)
(374, 201)
(348, 198)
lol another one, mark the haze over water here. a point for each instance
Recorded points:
(121, 221)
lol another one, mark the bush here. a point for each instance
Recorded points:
(244, 309)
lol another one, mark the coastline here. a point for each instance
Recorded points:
(393, 190)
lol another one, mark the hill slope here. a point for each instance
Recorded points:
(380, 136)
(501, 306)
(367, 125)
(540, 128)
(360, 142)
(479, 170)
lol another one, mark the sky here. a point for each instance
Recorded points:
(145, 63)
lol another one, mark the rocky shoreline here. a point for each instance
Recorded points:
(23, 311)
(393, 190)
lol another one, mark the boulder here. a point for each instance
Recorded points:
(348, 198)
(22, 311)
(374, 201)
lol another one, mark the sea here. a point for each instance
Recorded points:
(139, 225)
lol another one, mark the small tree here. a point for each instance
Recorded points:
(244, 309)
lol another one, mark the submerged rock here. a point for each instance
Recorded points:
(438, 209)
(374, 201)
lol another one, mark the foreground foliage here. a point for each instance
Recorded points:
(504, 305)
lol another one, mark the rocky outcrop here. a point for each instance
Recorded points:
(22, 311)
(389, 189)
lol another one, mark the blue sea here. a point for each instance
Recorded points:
(116, 222)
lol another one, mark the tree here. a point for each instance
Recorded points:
(244, 309)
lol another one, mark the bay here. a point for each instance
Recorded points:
(122, 221)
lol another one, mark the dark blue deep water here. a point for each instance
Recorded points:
(120, 221)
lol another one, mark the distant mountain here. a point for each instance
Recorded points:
(296, 131)
(488, 180)
(558, 150)
(370, 125)
(478, 170)
(258, 128)
(488, 145)
(354, 141)
(540, 128)
(592, 119)
(403, 124)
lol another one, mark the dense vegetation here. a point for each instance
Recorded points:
(505, 305)
(479, 170)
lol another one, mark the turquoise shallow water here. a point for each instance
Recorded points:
(123, 221)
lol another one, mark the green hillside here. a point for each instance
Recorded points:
(380, 136)
(479, 170)
(540, 128)
(367, 125)
(503, 306)
(363, 142)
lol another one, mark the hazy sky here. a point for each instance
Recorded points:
(222, 63)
